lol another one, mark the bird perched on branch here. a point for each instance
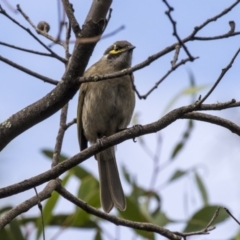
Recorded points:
(105, 108)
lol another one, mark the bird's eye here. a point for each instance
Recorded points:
(116, 49)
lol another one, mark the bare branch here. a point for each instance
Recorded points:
(26, 70)
(175, 58)
(234, 128)
(57, 98)
(25, 206)
(117, 138)
(73, 21)
(59, 140)
(26, 50)
(174, 23)
(204, 231)
(39, 31)
(115, 220)
(70, 123)
(164, 77)
(41, 211)
(232, 216)
(213, 19)
(226, 35)
(2, 11)
(232, 27)
(224, 71)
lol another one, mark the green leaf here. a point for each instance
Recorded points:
(191, 90)
(201, 218)
(49, 154)
(49, 206)
(80, 218)
(176, 150)
(15, 230)
(5, 209)
(134, 213)
(201, 188)
(89, 191)
(161, 219)
(237, 237)
(98, 235)
(81, 173)
(47, 212)
(4, 234)
(126, 174)
(177, 174)
(183, 141)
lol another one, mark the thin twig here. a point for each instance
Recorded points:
(25, 206)
(205, 230)
(182, 62)
(66, 45)
(40, 208)
(26, 50)
(2, 11)
(176, 54)
(226, 35)
(224, 71)
(175, 33)
(59, 140)
(43, 33)
(26, 70)
(70, 123)
(232, 216)
(215, 18)
(73, 21)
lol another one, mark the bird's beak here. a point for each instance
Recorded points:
(130, 48)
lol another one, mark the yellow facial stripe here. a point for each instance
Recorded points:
(116, 51)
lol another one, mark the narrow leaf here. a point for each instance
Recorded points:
(201, 188)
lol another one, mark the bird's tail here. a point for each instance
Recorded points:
(110, 184)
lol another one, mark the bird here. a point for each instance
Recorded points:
(105, 108)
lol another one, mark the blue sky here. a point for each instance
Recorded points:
(149, 29)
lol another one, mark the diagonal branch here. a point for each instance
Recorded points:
(25, 206)
(224, 71)
(73, 21)
(2, 11)
(58, 97)
(116, 220)
(115, 139)
(175, 33)
(234, 128)
(59, 140)
(38, 30)
(26, 70)
(26, 50)
(215, 18)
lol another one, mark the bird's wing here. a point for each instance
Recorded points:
(81, 138)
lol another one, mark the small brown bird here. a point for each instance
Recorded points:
(105, 108)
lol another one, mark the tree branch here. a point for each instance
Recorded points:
(224, 71)
(26, 70)
(234, 128)
(26, 50)
(115, 139)
(38, 30)
(66, 89)
(73, 21)
(116, 220)
(25, 206)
